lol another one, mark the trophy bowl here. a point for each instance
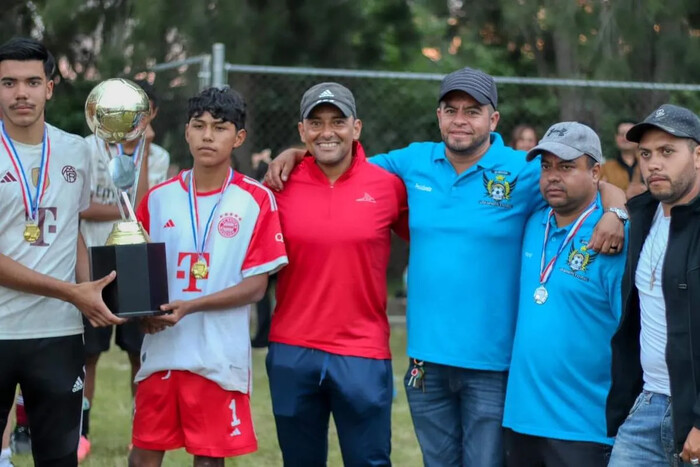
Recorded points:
(116, 110)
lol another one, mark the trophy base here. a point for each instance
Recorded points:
(141, 314)
(141, 285)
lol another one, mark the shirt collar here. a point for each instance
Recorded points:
(358, 157)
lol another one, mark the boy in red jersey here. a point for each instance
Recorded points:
(223, 238)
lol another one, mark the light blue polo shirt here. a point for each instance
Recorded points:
(560, 372)
(464, 263)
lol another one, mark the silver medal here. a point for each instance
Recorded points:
(541, 295)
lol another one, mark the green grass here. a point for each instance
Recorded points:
(110, 418)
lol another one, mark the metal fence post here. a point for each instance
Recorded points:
(204, 74)
(218, 72)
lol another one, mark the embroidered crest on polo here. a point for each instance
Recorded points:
(580, 258)
(579, 261)
(499, 188)
(326, 93)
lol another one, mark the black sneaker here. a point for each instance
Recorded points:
(20, 440)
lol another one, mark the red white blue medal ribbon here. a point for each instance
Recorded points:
(194, 212)
(120, 150)
(31, 203)
(546, 271)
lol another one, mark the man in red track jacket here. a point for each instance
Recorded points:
(329, 350)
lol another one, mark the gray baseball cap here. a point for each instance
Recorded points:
(677, 121)
(476, 83)
(328, 93)
(569, 141)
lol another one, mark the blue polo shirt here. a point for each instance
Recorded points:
(466, 233)
(560, 373)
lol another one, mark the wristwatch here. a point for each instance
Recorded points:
(620, 213)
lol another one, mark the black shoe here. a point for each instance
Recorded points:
(21, 440)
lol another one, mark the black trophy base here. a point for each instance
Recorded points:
(141, 285)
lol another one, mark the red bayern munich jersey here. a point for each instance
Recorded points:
(245, 240)
(332, 295)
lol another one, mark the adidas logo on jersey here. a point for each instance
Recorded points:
(78, 385)
(169, 224)
(325, 94)
(366, 198)
(8, 178)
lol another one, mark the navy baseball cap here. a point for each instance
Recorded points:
(476, 83)
(677, 121)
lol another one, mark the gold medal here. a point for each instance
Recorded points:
(199, 269)
(31, 232)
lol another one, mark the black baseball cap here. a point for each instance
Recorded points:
(677, 121)
(328, 93)
(476, 83)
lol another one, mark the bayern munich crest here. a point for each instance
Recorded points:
(69, 173)
(229, 225)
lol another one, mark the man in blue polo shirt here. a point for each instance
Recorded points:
(469, 199)
(569, 307)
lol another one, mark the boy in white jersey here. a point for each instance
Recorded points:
(223, 238)
(96, 225)
(44, 184)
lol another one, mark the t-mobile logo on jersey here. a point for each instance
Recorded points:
(46, 225)
(187, 260)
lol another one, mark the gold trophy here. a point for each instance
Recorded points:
(117, 111)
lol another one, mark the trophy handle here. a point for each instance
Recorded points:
(104, 153)
(138, 163)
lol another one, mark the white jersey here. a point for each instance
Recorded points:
(245, 240)
(158, 163)
(28, 316)
(96, 232)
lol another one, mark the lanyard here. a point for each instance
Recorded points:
(194, 211)
(120, 150)
(546, 271)
(31, 204)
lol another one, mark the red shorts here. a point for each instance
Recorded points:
(176, 409)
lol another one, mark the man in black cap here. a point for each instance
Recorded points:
(470, 197)
(656, 350)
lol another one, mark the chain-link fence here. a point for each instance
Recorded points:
(399, 108)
